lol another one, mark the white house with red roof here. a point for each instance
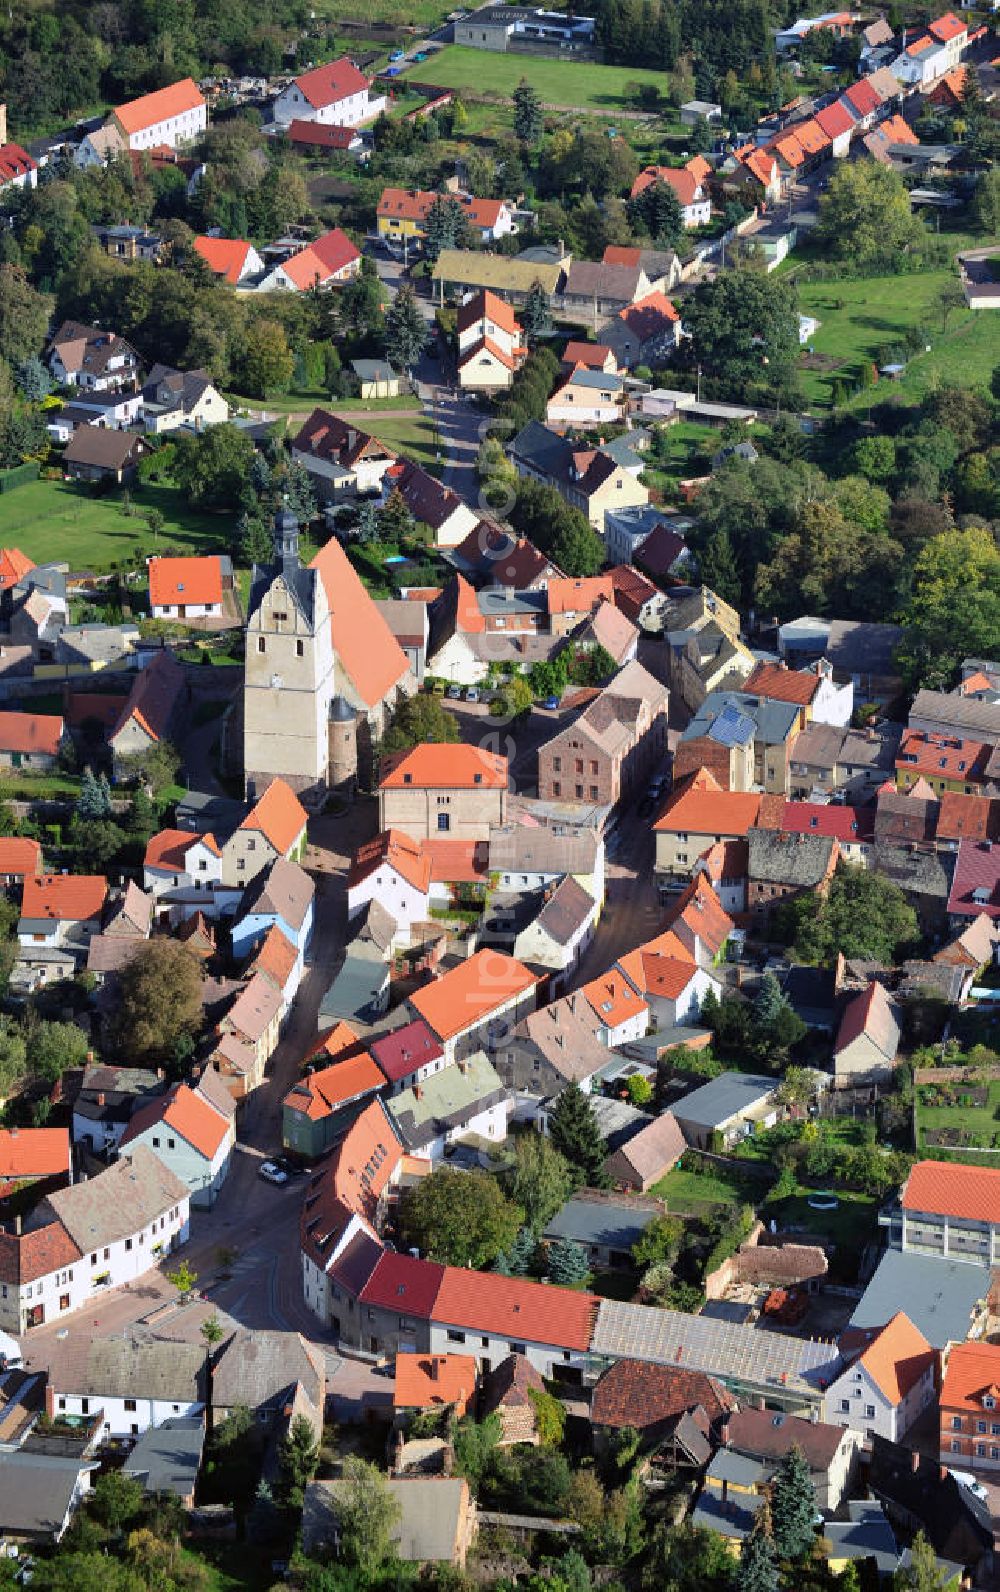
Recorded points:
(17, 169)
(888, 1386)
(643, 333)
(401, 213)
(490, 343)
(932, 51)
(61, 909)
(186, 588)
(868, 1038)
(183, 872)
(232, 259)
(192, 1131)
(499, 1316)
(394, 870)
(408, 1055)
(30, 740)
(329, 261)
(337, 93)
(169, 116)
(692, 195)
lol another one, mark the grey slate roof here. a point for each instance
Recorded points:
(258, 1368)
(604, 1222)
(979, 720)
(158, 1368)
(167, 1458)
(117, 1202)
(734, 1518)
(565, 1034)
(798, 859)
(924, 873)
(723, 1098)
(771, 722)
(430, 1516)
(875, 748)
(867, 1535)
(446, 1100)
(938, 1295)
(36, 1491)
(727, 1465)
(357, 987)
(566, 910)
(284, 889)
(518, 848)
(860, 647)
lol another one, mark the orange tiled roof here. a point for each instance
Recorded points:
(971, 1374)
(468, 993)
(431, 766)
(960, 817)
(429, 1381)
(780, 684)
(64, 897)
(14, 565)
(362, 640)
(331, 83)
(226, 257)
(366, 1160)
(487, 306)
(276, 957)
(188, 1113)
(701, 810)
(699, 168)
(185, 580)
(401, 854)
(946, 28)
(654, 973)
(19, 856)
(456, 861)
(898, 1357)
(31, 732)
(138, 114)
(279, 816)
(320, 260)
(938, 756)
(320, 1093)
(942, 1188)
(337, 1041)
(699, 912)
(34, 1152)
(579, 596)
(612, 998)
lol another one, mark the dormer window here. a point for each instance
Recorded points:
(989, 1402)
(407, 779)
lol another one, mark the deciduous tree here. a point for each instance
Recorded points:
(367, 1514)
(159, 1002)
(540, 1181)
(459, 1218)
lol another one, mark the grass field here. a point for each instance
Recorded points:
(576, 83)
(980, 1123)
(850, 1226)
(54, 520)
(858, 317)
(303, 403)
(693, 1191)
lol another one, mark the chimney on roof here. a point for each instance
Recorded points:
(417, 1092)
(17, 1226)
(101, 1098)
(914, 1461)
(435, 1368)
(724, 1433)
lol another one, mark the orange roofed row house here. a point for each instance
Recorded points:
(969, 1406)
(436, 791)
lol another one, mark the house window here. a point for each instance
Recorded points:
(130, 1404)
(557, 765)
(128, 1243)
(156, 1146)
(455, 1337)
(64, 1301)
(956, 1448)
(556, 788)
(518, 1348)
(300, 649)
(980, 1426)
(593, 793)
(989, 1402)
(845, 1406)
(171, 1144)
(84, 1406)
(261, 644)
(444, 822)
(869, 1412)
(956, 1423)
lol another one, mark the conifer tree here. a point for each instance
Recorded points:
(793, 1506)
(566, 1263)
(574, 1132)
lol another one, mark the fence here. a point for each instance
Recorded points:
(20, 475)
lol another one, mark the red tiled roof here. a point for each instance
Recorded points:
(430, 1381)
(654, 974)
(413, 205)
(632, 1393)
(469, 993)
(278, 815)
(835, 119)
(971, 1374)
(14, 162)
(31, 732)
(942, 756)
(699, 914)
(19, 856)
(943, 1188)
(897, 1358)
(363, 642)
(508, 361)
(975, 884)
(138, 114)
(34, 1152)
(434, 766)
(645, 318)
(699, 168)
(869, 1013)
(185, 580)
(578, 596)
(812, 137)
(591, 355)
(14, 565)
(789, 148)
(849, 824)
(403, 1050)
(321, 259)
(962, 817)
(404, 1284)
(64, 897)
(167, 849)
(457, 861)
(225, 257)
(509, 1307)
(863, 97)
(276, 957)
(321, 134)
(365, 1161)
(780, 684)
(684, 182)
(337, 80)
(399, 852)
(25, 1257)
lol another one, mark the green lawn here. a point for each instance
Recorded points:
(573, 83)
(693, 1191)
(55, 520)
(421, 14)
(303, 403)
(413, 435)
(850, 1226)
(16, 785)
(858, 317)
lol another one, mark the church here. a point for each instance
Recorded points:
(323, 672)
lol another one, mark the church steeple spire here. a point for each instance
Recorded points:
(286, 541)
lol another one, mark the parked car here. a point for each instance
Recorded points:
(551, 702)
(454, 693)
(472, 695)
(271, 1173)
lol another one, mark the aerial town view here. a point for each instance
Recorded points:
(499, 796)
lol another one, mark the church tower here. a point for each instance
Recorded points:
(289, 676)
